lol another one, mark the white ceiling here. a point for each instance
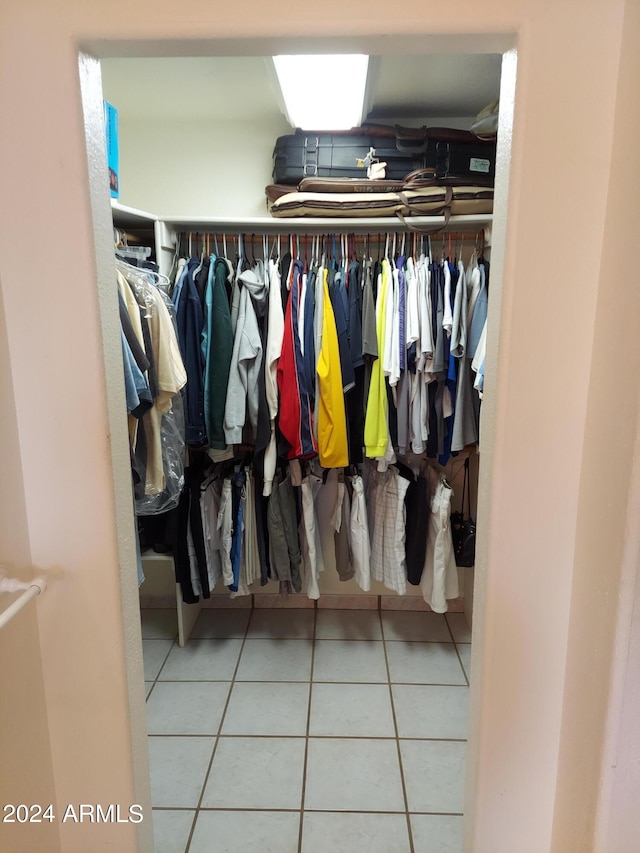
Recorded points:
(232, 88)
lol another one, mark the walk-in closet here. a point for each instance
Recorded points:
(306, 620)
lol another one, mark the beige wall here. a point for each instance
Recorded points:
(606, 586)
(548, 412)
(26, 774)
(187, 168)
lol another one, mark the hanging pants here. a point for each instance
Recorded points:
(283, 532)
(440, 575)
(360, 543)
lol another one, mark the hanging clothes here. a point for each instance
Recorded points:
(219, 344)
(332, 425)
(387, 519)
(190, 321)
(158, 446)
(246, 360)
(376, 432)
(294, 381)
(290, 359)
(440, 574)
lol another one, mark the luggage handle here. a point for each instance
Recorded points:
(411, 140)
(420, 178)
(416, 229)
(444, 210)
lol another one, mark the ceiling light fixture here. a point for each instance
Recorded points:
(323, 92)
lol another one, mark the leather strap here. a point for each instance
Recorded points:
(411, 227)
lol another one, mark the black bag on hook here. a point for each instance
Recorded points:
(463, 530)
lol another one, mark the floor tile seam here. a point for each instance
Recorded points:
(217, 738)
(172, 808)
(438, 814)
(449, 628)
(162, 665)
(307, 681)
(397, 741)
(310, 811)
(425, 684)
(342, 640)
(310, 736)
(172, 639)
(464, 671)
(303, 792)
(466, 677)
(399, 683)
(246, 809)
(455, 639)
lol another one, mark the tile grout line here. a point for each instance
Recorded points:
(318, 737)
(155, 680)
(303, 792)
(297, 811)
(397, 739)
(217, 736)
(455, 645)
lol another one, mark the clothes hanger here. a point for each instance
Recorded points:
(143, 273)
(240, 253)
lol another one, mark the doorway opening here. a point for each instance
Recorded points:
(229, 691)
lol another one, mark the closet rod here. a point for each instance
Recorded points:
(253, 240)
(303, 237)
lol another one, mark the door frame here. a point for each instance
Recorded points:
(91, 89)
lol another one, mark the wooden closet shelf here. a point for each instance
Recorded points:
(325, 225)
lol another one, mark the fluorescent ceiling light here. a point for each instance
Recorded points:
(324, 92)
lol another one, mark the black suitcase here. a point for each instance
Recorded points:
(456, 156)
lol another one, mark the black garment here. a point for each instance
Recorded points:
(189, 322)
(338, 305)
(138, 353)
(139, 464)
(189, 517)
(282, 521)
(437, 426)
(201, 278)
(356, 416)
(392, 415)
(262, 530)
(263, 428)
(159, 532)
(152, 375)
(355, 313)
(418, 509)
(285, 266)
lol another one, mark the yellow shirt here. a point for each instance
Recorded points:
(333, 448)
(376, 431)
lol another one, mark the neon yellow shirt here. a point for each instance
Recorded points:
(333, 449)
(376, 430)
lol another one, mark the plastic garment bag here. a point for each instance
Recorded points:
(158, 442)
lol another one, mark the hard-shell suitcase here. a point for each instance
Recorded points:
(456, 156)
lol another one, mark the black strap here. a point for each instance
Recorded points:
(466, 487)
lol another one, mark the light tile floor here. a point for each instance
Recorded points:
(310, 731)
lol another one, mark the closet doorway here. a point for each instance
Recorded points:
(391, 741)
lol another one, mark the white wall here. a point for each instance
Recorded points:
(197, 167)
